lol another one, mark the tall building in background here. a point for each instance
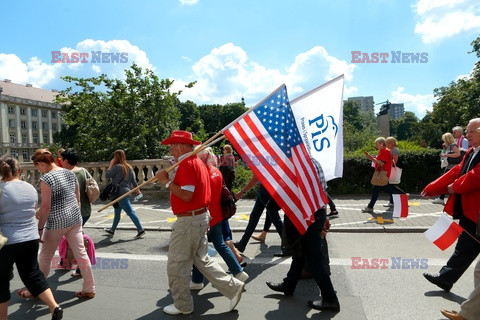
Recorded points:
(396, 110)
(28, 117)
(366, 103)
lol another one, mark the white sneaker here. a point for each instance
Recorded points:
(438, 201)
(242, 276)
(387, 205)
(196, 286)
(236, 298)
(171, 309)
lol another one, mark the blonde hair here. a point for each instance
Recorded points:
(208, 157)
(391, 140)
(448, 138)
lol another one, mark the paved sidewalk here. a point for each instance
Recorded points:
(157, 215)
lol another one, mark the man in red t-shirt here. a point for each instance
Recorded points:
(189, 197)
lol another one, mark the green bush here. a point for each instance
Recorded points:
(242, 177)
(420, 168)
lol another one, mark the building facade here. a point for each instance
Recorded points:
(366, 103)
(396, 110)
(28, 118)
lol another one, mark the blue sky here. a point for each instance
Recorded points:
(248, 48)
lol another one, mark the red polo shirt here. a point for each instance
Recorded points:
(216, 184)
(192, 171)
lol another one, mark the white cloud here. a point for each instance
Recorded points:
(418, 104)
(188, 2)
(226, 75)
(34, 71)
(440, 19)
(41, 74)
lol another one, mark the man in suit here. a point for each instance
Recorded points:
(462, 183)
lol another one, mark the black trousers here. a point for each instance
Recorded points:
(24, 255)
(309, 250)
(466, 251)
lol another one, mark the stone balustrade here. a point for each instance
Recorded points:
(144, 170)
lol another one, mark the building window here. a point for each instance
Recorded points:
(24, 138)
(23, 124)
(11, 123)
(13, 139)
(34, 113)
(25, 155)
(54, 126)
(10, 110)
(44, 113)
(14, 153)
(34, 124)
(54, 115)
(44, 125)
(45, 138)
(35, 138)
(23, 111)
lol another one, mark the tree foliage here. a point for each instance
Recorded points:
(103, 115)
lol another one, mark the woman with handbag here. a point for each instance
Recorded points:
(18, 202)
(383, 166)
(123, 178)
(60, 215)
(453, 157)
(397, 168)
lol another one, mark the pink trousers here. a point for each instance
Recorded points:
(51, 240)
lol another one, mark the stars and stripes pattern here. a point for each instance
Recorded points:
(269, 137)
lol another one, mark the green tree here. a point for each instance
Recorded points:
(103, 115)
(459, 101)
(404, 127)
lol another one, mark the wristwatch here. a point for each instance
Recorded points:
(168, 184)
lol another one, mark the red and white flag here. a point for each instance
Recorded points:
(400, 205)
(444, 232)
(268, 140)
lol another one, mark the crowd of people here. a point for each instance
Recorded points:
(195, 198)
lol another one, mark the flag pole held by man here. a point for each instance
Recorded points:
(269, 131)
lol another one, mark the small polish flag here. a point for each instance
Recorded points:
(444, 232)
(400, 205)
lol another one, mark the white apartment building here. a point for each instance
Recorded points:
(28, 118)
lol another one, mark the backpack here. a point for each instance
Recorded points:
(91, 187)
(227, 202)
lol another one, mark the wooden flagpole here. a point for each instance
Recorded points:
(154, 179)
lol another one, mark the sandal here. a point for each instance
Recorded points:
(86, 295)
(24, 293)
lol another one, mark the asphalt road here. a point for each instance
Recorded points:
(132, 284)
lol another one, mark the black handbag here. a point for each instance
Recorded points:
(110, 191)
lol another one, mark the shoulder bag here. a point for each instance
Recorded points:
(91, 187)
(395, 174)
(379, 178)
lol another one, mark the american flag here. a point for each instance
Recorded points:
(267, 136)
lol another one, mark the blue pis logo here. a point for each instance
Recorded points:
(325, 130)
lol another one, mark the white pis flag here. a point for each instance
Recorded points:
(319, 117)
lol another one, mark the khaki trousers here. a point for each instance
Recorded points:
(470, 308)
(188, 246)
